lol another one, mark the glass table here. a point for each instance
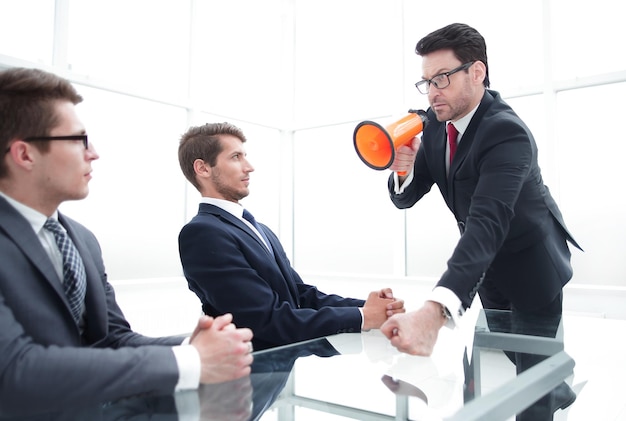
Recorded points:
(361, 376)
(367, 379)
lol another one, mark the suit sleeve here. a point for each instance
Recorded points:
(502, 167)
(37, 377)
(417, 188)
(232, 273)
(311, 297)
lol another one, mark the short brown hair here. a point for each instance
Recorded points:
(203, 142)
(27, 98)
(466, 43)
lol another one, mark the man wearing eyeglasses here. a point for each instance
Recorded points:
(513, 247)
(64, 341)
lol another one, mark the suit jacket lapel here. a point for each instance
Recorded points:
(439, 150)
(282, 265)
(466, 143)
(21, 233)
(230, 218)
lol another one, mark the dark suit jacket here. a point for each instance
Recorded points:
(45, 362)
(512, 229)
(231, 271)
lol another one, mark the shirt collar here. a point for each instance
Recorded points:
(35, 219)
(462, 123)
(231, 207)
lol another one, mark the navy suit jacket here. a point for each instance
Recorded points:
(46, 364)
(231, 271)
(513, 234)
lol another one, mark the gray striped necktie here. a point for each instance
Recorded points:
(74, 278)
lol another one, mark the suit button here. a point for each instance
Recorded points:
(461, 225)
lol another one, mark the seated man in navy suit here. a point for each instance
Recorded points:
(238, 266)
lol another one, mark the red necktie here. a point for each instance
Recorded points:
(452, 135)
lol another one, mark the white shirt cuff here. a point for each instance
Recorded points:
(362, 317)
(400, 189)
(449, 300)
(189, 366)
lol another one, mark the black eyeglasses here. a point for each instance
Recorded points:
(82, 137)
(440, 81)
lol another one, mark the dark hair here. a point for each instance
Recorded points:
(203, 142)
(27, 105)
(465, 42)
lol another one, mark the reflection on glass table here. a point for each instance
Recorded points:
(370, 380)
(361, 376)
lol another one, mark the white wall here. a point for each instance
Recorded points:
(297, 76)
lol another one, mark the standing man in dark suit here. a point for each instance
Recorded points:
(64, 341)
(513, 248)
(239, 266)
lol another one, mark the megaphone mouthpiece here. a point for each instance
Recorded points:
(422, 114)
(376, 146)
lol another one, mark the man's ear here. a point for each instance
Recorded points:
(479, 72)
(201, 168)
(21, 153)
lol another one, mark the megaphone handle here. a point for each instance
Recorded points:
(423, 116)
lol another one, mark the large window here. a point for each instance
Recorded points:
(297, 76)
(26, 35)
(137, 194)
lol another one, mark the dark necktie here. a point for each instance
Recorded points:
(74, 278)
(452, 135)
(248, 217)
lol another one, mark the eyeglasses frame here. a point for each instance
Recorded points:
(82, 137)
(428, 82)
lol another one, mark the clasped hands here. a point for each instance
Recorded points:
(225, 350)
(379, 306)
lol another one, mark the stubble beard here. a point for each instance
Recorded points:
(227, 192)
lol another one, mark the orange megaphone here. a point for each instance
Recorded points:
(376, 146)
